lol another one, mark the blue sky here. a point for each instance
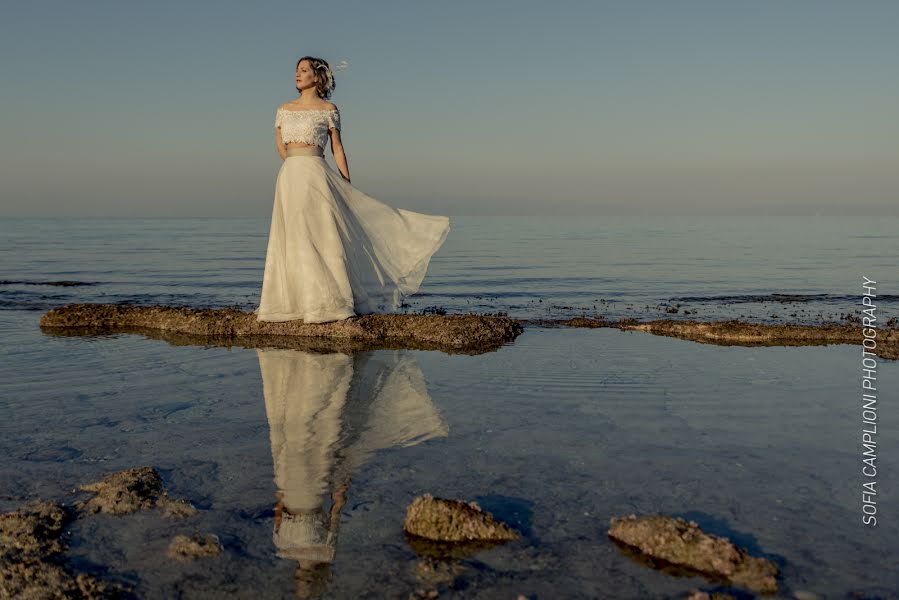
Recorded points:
(458, 108)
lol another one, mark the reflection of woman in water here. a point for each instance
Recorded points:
(327, 414)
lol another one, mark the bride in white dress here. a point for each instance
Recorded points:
(334, 252)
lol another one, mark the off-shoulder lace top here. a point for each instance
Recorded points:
(307, 126)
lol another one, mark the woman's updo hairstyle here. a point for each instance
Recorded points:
(324, 77)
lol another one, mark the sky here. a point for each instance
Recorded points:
(721, 107)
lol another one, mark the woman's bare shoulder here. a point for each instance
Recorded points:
(291, 105)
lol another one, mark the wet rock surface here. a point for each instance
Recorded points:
(443, 520)
(683, 545)
(131, 490)
(32, 539)
(450, 332)
(31, 546)
(448, 550)
(467, 334)
(433, 572)
(175, 508)
(187, 549)
(124, 492)
(34, 529)
(741, 333)
(37, 579)
(699, 595)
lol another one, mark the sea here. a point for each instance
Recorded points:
(302, 461)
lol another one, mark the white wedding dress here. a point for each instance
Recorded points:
(334, 252)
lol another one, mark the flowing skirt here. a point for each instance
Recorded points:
(334, 252)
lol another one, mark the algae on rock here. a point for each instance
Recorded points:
(683, 544)
(131, 490)
(445, 520)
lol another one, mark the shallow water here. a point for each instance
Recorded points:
(555, 433)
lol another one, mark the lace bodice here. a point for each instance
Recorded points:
(307, 126)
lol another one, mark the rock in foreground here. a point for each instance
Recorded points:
(742, 333)
(186, 548)
(700, 595)
(35, 529)
(444, 520)
(131, 490)
(681, 543)
(30, 547)
(450, 332)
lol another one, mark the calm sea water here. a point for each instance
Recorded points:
(797, 269)
(555, 433)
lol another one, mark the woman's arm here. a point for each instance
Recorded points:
(281, 149)
(339, 154)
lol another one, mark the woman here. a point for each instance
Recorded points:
(334, 252)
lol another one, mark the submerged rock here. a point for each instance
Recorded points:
(131, 490)
(683, 544)
(444, 520)
(30, 544)
(124, 492)
(34, 578)
(34, 529)
(741, 333)
(176, 509)
(186, 549)
(434, 572)
(699, 595)
(449, 332)
(446, 550)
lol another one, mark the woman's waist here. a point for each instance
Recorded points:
(305, 151)
(298, 144)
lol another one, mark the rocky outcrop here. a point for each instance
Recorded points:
(35, 529)
(31, 542)
(444, 520)
(700, 595)
(132, 490)
(459, 333)
(741, 333)
(187, 549)
(674, 541)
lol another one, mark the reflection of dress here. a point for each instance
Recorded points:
(327, 414)
(333, 251)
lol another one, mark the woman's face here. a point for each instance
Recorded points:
(305, 78)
